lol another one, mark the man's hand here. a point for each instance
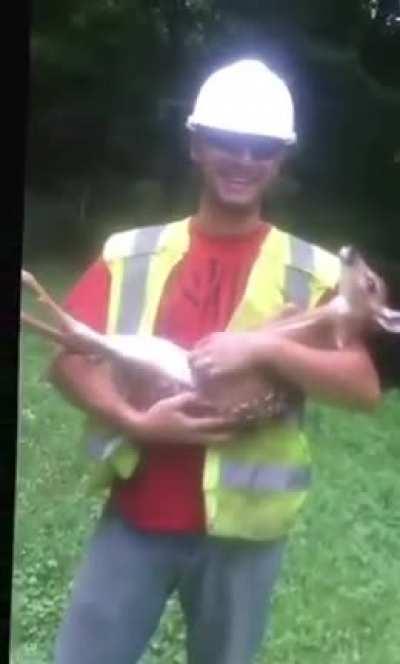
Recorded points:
(226, 353)
(167, 422)
(235, 352)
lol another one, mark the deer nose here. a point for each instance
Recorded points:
(348, 255)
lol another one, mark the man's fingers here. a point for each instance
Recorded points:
(179, 402)
(206, 364)
(202, 342)
(182, 399)
(200, 356)
(201, 361)
(208, 423)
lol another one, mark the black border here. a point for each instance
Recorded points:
(15, 99)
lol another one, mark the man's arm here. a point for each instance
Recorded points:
(346, 377)
(90, 386)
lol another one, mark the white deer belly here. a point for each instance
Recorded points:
(155, 352)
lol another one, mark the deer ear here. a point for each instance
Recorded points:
(389, 319)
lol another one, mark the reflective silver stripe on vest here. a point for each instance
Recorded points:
(102, 444)
(297, 290)
(135, 278)
(299, 271)
(266, 478)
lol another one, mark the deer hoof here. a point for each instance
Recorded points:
(27, 278)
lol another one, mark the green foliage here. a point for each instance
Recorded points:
(337, 600)
(112, 82)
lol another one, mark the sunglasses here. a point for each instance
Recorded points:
(259, 147)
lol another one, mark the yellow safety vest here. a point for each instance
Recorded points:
(252, 490)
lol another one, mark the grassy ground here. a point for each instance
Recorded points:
(337, 600)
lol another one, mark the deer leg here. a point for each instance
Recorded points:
(43, 329)
(301, 321)
(65, 339)
(61, 316)
(74, 335)
(73, 343)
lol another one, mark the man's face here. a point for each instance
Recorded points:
(236, 168)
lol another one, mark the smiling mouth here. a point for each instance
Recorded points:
(238, 181)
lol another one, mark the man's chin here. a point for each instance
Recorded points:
(238, 204)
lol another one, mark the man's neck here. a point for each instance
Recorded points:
(220, 220)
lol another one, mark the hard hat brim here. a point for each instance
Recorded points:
(193, 126)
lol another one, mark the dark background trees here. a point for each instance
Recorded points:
(113, 80)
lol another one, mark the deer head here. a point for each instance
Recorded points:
(365, 292)
(358, 307)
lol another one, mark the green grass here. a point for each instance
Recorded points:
(338, 598)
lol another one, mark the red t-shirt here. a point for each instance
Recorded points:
(165, 494)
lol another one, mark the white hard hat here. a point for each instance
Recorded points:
(248, 98)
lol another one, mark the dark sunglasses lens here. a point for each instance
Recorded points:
(259, 148)
(266, 149)
(221, 142)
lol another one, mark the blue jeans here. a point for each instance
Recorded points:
(120, 592)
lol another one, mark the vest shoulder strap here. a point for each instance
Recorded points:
(312, 258)
(316, 264)
(304, 270)
(144, 241)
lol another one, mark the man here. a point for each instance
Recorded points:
(199, 510)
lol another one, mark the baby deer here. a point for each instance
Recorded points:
(358, 307)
